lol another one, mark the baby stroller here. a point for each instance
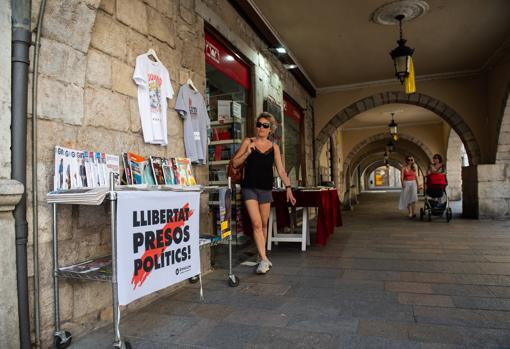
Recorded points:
(436, 199)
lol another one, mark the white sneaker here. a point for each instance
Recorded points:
(263, 267)
(260, 260)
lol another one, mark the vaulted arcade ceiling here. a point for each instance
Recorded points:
(336, 43)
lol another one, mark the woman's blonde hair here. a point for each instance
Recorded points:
(270, 118)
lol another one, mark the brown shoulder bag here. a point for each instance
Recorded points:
(236, 174)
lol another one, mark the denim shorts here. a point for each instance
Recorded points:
(260, 195)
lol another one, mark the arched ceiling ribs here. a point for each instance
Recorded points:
(375, 165)
(448, 114)
(376, 147)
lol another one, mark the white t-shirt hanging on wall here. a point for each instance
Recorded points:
(154, 87)
(191, 107)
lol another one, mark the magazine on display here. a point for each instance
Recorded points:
(102, 264)
(76, 169)
(156, 171)
(79, 196)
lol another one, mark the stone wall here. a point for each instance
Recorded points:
(494, 191)
(5, 89)
(503, 152)
(10, 191)
(87, 100)
(494, 180)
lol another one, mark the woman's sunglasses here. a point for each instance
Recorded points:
(409, 160)
(263, 124)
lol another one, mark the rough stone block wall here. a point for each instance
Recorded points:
(494, 191)
(503, 152)
(9, 336)
(87, 100)
(5, 91)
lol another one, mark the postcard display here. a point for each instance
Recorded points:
(154, 212)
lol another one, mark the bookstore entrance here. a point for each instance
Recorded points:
(228, 98)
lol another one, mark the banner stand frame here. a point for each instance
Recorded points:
(63, 338)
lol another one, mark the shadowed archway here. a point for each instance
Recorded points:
(370, 151)
(434, 105)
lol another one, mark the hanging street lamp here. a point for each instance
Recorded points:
(401, 55)
(390, 147)
(393, 128)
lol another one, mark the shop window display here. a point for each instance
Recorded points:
(227, 99)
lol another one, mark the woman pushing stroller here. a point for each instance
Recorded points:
(436, 199)
(437, 165)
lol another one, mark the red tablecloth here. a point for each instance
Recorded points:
(329, 214)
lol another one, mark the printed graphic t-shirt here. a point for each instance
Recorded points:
(154, 87)
(191, 107)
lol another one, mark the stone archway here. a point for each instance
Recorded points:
(503, 149)
(365, 173)
(370, 151)
(434, 105)
(384, 137)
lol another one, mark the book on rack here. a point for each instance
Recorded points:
(128, 177)
(183, 172)
(168, 171)
(137, 167)
(157, 169)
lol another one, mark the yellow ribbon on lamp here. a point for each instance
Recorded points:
(410, 84)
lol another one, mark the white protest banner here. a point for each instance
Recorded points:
(157, 241)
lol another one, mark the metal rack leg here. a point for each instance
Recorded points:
(233, 280)
(62, 338)
(117, 342)
(55, 271)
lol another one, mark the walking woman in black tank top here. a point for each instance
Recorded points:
(260, 154)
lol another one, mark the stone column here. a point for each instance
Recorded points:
(453, 166)
(494, 191)
(470, 192)
(10, 194)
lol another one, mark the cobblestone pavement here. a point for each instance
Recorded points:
(382, 281)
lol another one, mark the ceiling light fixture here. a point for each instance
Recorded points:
(393, 128)
(390, 147)
(402, 55)
(290, 66)
(281, 50)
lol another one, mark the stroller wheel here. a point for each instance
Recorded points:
(422, 213)
(429, 215)
(448, 214)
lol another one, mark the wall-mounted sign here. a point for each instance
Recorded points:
(226, 61)
(291, 109)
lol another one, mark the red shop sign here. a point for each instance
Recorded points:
(291, 109)
(226, 62)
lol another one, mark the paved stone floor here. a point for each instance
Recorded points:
(382, 281)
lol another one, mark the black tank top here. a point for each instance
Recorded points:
(258, 171)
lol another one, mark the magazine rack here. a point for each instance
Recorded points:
(63, 338)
